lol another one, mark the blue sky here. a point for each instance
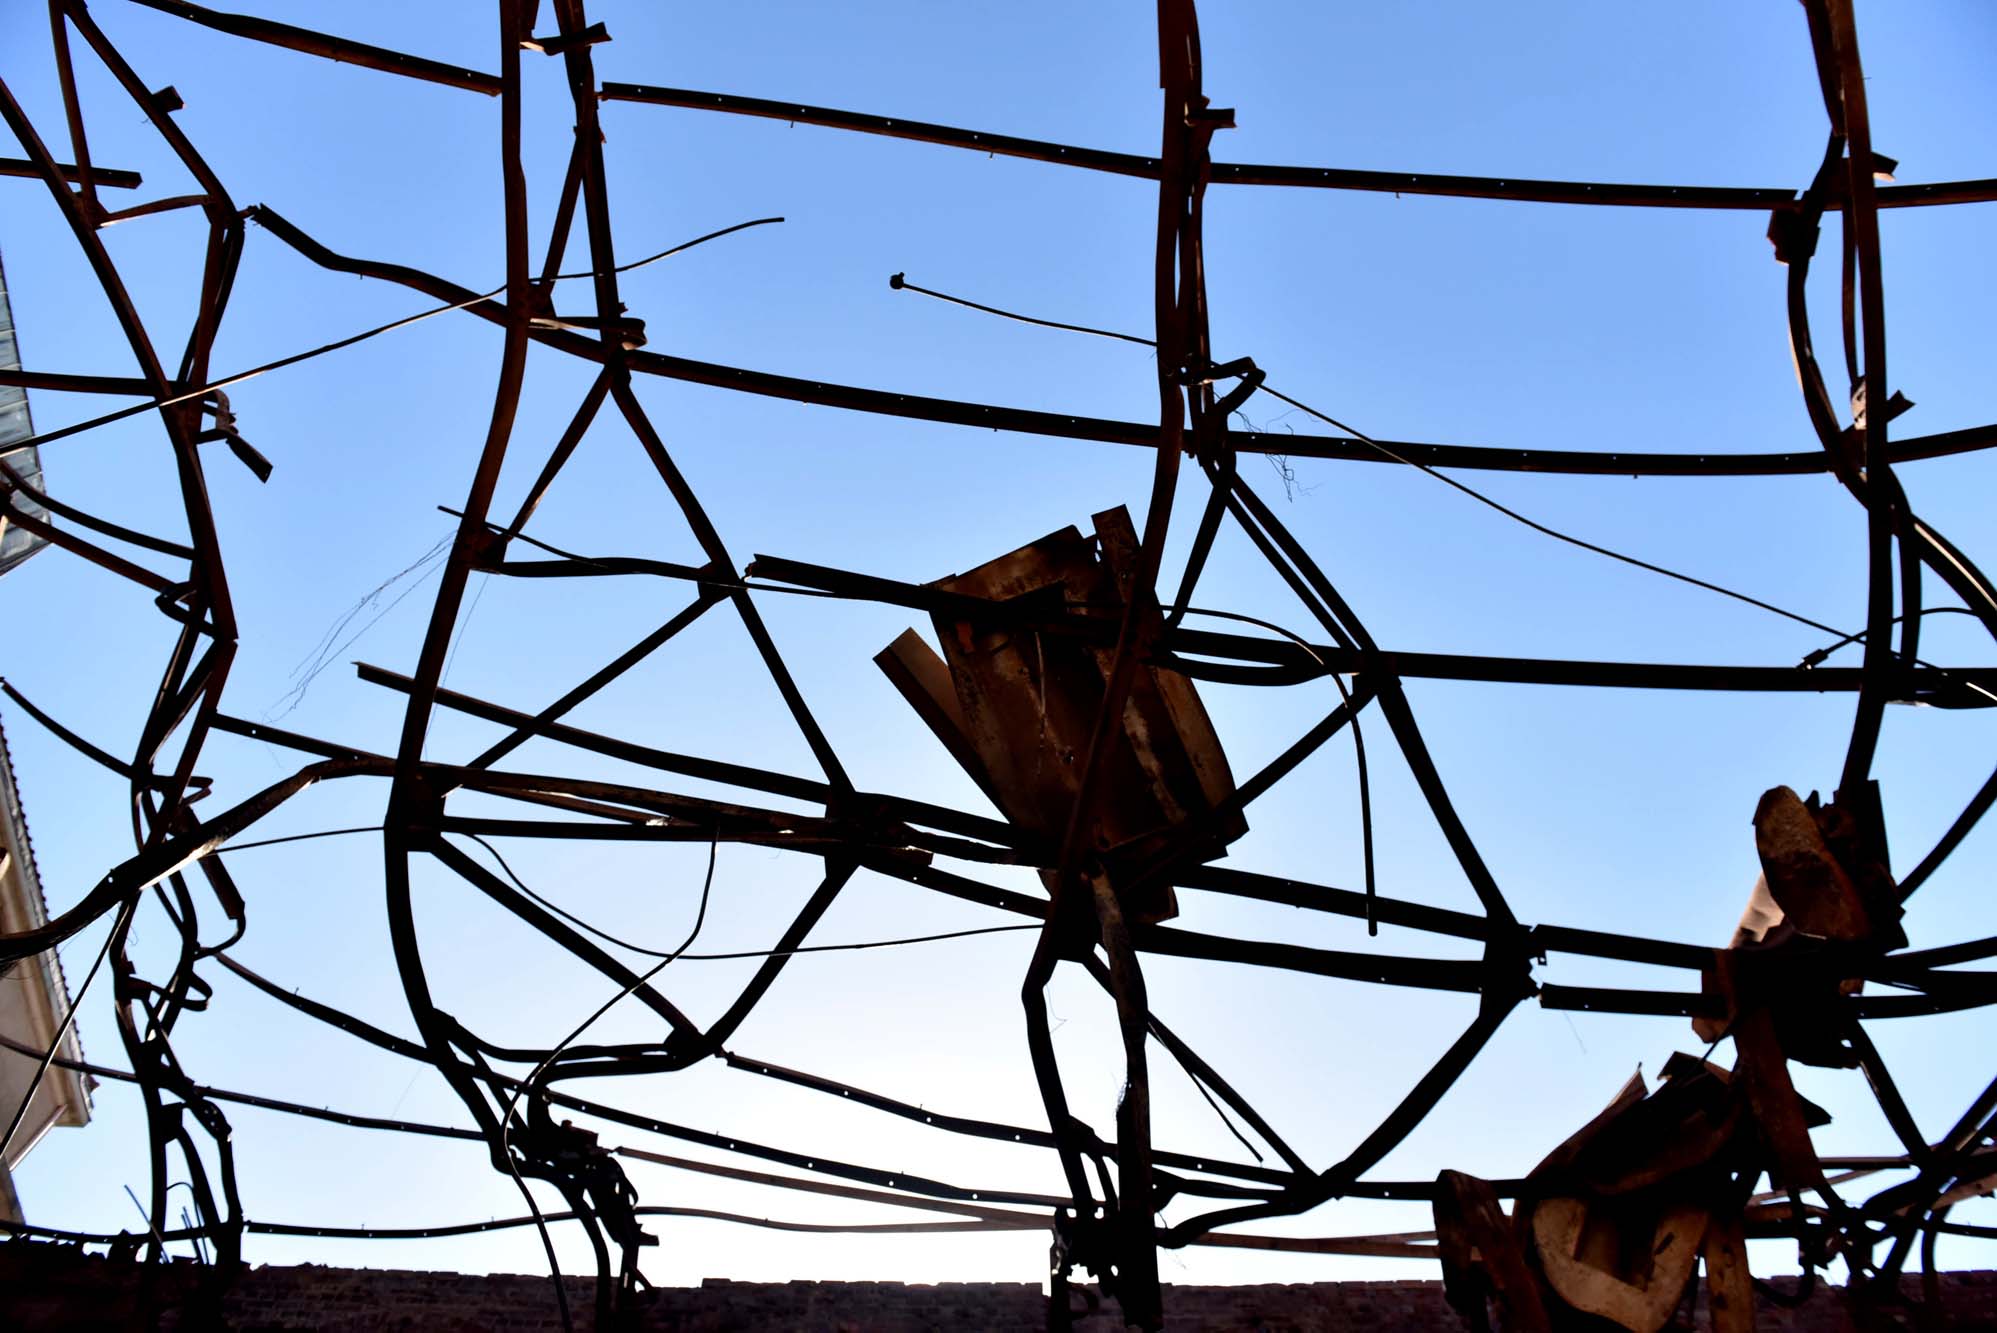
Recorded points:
(1412, 318)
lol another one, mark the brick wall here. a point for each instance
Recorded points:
(50, 1287)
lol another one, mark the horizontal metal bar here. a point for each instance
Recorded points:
(109, 176)
(1004, 145)
(352, 1120)
(338, 49)
(1921, 1006)
(810, 835)
(56, 382)
(147, 209)
(936, 1189)
(1357, 1245)
(1317, 659)
(1386, 1189)
(90, 551)
(1594, 999)
(10, 480)
(1967, 952)
(961, 887)
(1629, 949)
(1319, 178)
(292, 740)
(896, 1198)
(1342, 902)
(1606, 1000)
(747, 1147)
(598, 567)
(642, 1210)
(1380, 969)
(712, 770)
(1063, 426)
(1563, 671)
(986, 1129)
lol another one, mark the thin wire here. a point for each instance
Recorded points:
(1542, 528)
(62, 1029)
(1358, 740)
(506, 1119)
(314, 664)
(332, 631)
(121, 414)
(1358, 751)
(1817, 657)
(605, 935)
(667, 254)
(1239, 1137)
(604, 562)
(1468, 490)
(297, 837)
(83, 1237)
(144, 1216)
(1000, 1222)
(899, 283)
(187, 1223)
(1372, 443)
(49, 437)
(864, 944)
(464, 627)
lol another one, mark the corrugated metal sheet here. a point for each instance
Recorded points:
(16, 542)
(64, 1094)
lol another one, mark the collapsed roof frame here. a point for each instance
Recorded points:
(1109, 1229)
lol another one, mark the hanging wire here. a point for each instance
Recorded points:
(1388, 452)
(62, 1028)
(533, 1079)
(1358, 751)
(50, 436)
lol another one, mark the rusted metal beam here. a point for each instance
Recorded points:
(1247, 173)
(340, 49)
(1101, 430)
(111, 176)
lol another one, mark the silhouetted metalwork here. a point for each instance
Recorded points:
(1093, 744)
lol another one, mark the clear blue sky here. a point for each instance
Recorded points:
(1413, 318)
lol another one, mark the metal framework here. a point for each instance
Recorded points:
(1106, 1221)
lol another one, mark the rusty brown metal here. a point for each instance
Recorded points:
(1017, 712)
(1067, 690)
